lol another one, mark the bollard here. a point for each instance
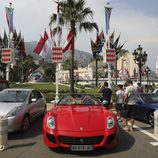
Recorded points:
(156, 123)
(3, 133)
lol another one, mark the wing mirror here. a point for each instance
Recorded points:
(33, 100)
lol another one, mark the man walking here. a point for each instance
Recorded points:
(130, 99)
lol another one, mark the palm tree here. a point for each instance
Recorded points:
(119, 53)
(75, 16)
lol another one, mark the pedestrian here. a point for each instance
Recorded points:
(130, 100)
(106, 94)
(119, 101)
(139, 88)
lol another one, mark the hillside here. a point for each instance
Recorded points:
(83, 58)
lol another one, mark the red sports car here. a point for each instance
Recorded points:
(80, 122)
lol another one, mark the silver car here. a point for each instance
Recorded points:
(21, 106)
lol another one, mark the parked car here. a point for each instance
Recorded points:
(21, 106)
(80, 122)
(147, 104)
(155, 91)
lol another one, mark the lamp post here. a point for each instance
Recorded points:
(140, 58)
(147, 72)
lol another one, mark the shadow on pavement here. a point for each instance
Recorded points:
(126, 141)
(21, 145)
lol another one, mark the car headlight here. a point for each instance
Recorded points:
(51, 122)
(14, 111)
(110, 122)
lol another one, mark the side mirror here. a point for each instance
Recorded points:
(33, 100)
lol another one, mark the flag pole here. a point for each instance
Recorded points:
(57, 64)
(8, 64)
(108, 35)
(22, 55)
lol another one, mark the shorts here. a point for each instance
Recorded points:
(118, 107)
(129, 111)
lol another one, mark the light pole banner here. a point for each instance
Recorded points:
(107, 18)
(7, 55)
(110, 56)
(9, 16)
(57, 55)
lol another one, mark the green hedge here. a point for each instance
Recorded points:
(49, 89)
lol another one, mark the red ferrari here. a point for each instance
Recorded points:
(80, 122)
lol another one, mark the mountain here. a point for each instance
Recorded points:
(83, 58)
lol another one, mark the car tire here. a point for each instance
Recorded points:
(151, 118)
(25, 124)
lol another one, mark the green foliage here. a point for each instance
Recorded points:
(49, 89)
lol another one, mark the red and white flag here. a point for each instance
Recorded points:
(60, 37)
(46, 45)
(42, 47)
(69, 42)
(39, 46)
(52, 38)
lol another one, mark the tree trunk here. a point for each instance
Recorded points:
(96, 72)
(72, 69)
(72, 58)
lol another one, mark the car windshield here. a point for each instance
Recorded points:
(13, 96)
(150, 97)
(79, 99)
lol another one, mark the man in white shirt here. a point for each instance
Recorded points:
(130, 100)
(119, 101)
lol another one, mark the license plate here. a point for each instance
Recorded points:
(81, 147)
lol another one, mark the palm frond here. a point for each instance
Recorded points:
(53, 19)
(88, 26)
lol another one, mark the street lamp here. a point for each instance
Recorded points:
(140, 58)
(147, 72)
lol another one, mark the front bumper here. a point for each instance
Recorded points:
(14, 123)
(55, 139)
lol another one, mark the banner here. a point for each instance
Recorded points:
(9, 16)
(110, 56)
(6, 55)
(107, 18)
(57, 54)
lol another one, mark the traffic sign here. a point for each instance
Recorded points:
(6, 55)
(57, 54)
(110, 56)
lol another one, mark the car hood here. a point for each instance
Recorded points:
(151, 105)
(85, 118)
(6, 107)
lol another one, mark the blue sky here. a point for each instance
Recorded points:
(136, 21)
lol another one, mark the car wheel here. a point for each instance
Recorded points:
(25, 124)
(151, 118)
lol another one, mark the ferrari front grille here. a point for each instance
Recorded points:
(81, 140)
